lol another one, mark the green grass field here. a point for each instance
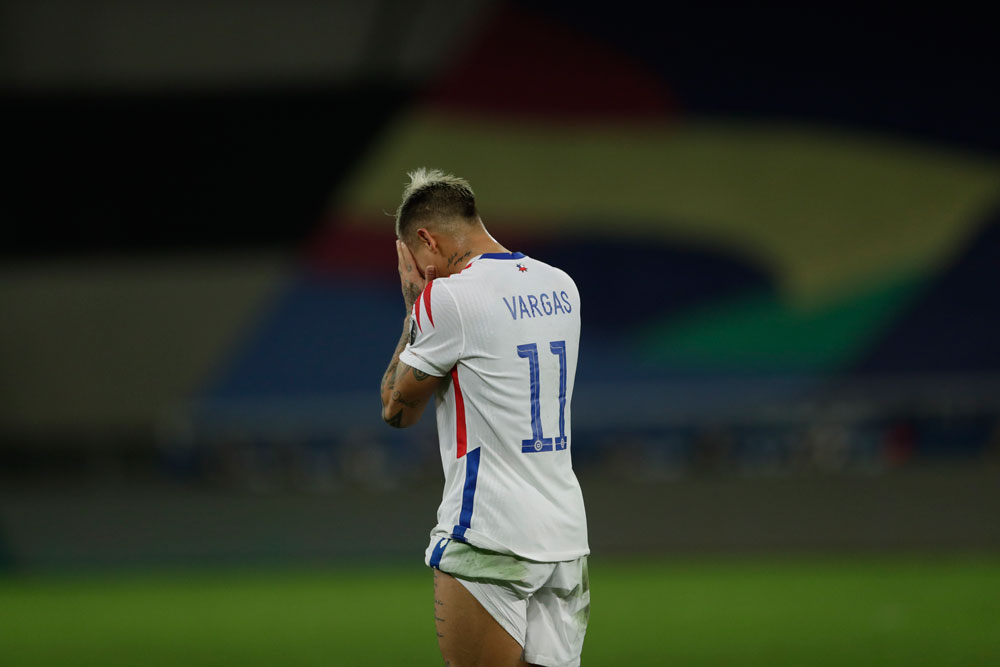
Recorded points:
(875, 611)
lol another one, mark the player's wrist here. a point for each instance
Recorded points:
(411, 293)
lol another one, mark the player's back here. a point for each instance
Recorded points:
(505, 421)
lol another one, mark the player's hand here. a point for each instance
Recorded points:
(411, 280)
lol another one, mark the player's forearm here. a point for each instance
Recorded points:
(405, 390)
(389, 377)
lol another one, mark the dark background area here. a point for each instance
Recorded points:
(160, 193)
(783, 222)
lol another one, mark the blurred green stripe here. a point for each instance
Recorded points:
(761, 331)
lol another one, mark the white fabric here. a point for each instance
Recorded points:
(544, 606)
(517, 494)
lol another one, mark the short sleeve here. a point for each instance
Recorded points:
(436, 337)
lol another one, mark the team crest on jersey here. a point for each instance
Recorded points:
(521, 267)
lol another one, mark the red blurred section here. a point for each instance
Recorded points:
(900, 443)
(521, 64)
(346, 245)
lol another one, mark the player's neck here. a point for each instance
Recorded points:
(483, 242)
(474, 247)
(482, 249)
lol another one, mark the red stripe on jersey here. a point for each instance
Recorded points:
(427, 301)
(460, 440)
(416, 309)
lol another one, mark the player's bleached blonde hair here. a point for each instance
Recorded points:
(432, 194)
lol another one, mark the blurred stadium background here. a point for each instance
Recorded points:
(785, 227)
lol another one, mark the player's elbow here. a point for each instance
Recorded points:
(396, 416)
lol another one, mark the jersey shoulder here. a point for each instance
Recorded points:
(436, 302)
(484, 277)
(554, 275)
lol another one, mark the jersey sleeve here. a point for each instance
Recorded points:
(436, 336)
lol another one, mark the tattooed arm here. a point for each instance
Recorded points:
(409, 389)
(406, 390)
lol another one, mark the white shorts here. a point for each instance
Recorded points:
(544, 606)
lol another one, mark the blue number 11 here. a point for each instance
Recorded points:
(538, 442)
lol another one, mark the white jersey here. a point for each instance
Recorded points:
(506, 329)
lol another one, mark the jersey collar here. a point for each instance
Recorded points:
(501, 255)
(494, 255)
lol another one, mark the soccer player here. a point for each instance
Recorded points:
(493, 335)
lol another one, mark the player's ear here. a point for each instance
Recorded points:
(427, 239)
